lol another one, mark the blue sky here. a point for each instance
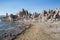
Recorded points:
(14, 6)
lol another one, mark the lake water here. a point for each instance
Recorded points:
(6, 25)
(3, 24)
(9, 28)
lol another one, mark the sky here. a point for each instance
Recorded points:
(14, 6)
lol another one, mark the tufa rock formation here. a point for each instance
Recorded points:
(44, 16)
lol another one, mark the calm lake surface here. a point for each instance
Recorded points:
(6, 25)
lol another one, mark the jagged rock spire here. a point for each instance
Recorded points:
(6, 14)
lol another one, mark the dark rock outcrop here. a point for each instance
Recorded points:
(51, 14)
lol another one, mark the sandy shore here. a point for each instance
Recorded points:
(34, 33)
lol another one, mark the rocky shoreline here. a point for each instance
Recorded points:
(11, 33)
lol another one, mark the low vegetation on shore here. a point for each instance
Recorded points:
(41, 31)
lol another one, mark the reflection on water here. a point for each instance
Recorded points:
(5, 25)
